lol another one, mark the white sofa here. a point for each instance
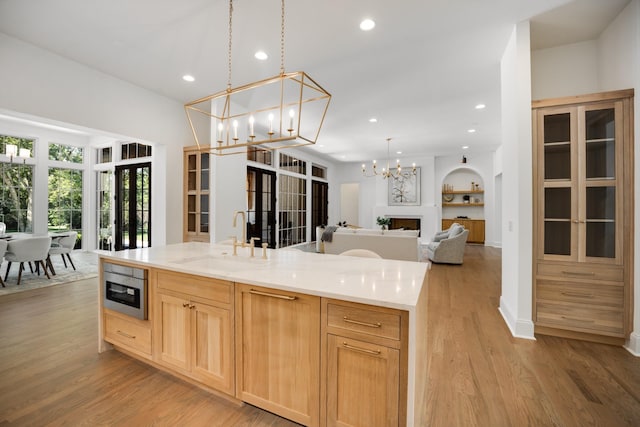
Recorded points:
(389, 244)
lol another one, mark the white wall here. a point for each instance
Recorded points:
(39, 83)
(516, 298)
(564, 70)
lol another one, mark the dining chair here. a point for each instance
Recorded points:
(27, 250)
(3, 228)
(62, 246)
(3, 249)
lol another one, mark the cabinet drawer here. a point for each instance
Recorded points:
(128, 334)
(363, 320)
(595, 294)
(581, 317)
(212, 289)
(581, 271)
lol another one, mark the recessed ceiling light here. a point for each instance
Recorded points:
(373, 120)
(261, 55)
(398, 152)
(480, 106)
(188, 78)
(471, 130)
(367, 25)
(465, 147)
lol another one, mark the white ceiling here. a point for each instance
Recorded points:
(420, 72)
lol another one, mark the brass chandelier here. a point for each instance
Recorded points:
(387, 172)
(283, 111)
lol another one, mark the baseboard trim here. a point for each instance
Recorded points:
(519, 328)
(633, 344)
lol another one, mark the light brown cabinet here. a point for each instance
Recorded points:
(128, 333)
(583, 206)
(196, 217)
(365, 365)
(278, 352)
(194, 328)
(475, 227)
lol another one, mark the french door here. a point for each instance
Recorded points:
(133, 206)
(261, 205)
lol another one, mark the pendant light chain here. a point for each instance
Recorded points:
(282, 41)
(230, 35)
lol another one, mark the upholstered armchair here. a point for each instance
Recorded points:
(3, 250)
(27, 250)
(449, 249)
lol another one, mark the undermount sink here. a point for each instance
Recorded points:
(225, 259)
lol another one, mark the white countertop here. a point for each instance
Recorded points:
(388, 283)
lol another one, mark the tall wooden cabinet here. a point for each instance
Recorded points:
(583, 216)
(197, 168)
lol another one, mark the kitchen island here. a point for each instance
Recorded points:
(320, 339)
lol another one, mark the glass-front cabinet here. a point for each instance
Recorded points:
(196, 217)
(580, 170)
(583, 209)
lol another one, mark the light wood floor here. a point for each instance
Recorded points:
(51, 374)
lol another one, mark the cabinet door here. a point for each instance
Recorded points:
(174, 325)
(212, 350)
(196, 194)
(580, 173)
(362, 383)
(278, 349)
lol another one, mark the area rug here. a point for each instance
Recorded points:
(86, 268)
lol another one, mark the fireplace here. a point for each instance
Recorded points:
(405, 223)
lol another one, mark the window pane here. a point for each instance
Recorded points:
(65, 201)
(65, 153)
(16, 197)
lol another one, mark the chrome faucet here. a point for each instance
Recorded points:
(243, 242)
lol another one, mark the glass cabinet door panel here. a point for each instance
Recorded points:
(557, 237)
(191, 203)
(601, 159)
(557, 161)
(557, 203)
(191, 222)
(601, 203)
(557, 128)
(601, 226)
(600, 240)
(600, 124)
(204, 171)
(204, 213)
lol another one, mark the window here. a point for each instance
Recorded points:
(16, 197)
(292, 164)
(259, 155)
(65, 153)
(24, 143)
(293, 210)
(104, 155)
(65, 201)
(134, 150)
(318, 171)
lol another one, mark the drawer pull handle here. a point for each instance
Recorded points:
(267, 294)
(185, 304)
(577, 295)
(357, 322)
(578, 320)
(579, 273)
(363, 350)
(124, 334)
